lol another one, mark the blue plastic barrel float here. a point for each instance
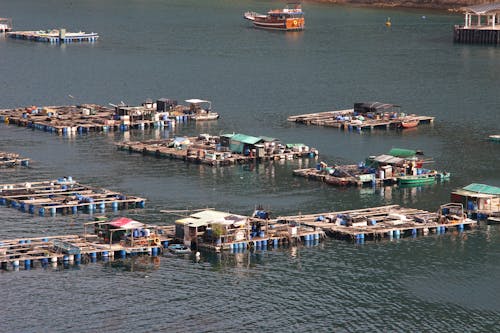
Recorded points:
(154, 251)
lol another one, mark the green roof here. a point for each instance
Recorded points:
(250, 140)
(481, 188)
(399, 152)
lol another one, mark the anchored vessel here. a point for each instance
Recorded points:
(290, 18)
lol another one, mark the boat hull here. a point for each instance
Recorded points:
(416, 180)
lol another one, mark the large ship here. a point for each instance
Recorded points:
(290, 18)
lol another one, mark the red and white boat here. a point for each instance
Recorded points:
(290, 18)
(409, 123)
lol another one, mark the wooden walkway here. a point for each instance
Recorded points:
(201, 152)
(376, 223)
(63, 196)
(345, 119)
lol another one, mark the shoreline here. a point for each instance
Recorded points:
(451, 6)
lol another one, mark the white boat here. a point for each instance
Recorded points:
(179, 249)
(200, 109)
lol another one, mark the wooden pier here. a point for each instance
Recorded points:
(55, 36)
(387, 222)
(12, 159)
(350, 119)
(64, 196)
(207, 149)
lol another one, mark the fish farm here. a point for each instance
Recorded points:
(84, 118)
(385, 222)
(226, 149)
(404, 167)
(12, 159)
(54, 36)
(364, 116)
(64, 196)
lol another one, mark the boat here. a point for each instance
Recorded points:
(409, 123)
(417, 180)
(494, 137)
(179, 249)
(197, 110)
(290, 18)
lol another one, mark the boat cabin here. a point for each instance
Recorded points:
(377, 110)
(125, 231)
(212, 227)
(478, 199)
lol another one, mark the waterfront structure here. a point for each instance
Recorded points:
(64, 196)
(479, 200)
(226, 149)
(363, 116)
(404, 167)
(55, 36)
(481, 25)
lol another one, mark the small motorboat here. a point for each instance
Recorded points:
(179, 249)
(409, 123)
(494, 137)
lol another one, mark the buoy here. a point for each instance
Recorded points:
(388, 22)
(197, 254)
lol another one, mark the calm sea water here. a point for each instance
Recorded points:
(255, 78)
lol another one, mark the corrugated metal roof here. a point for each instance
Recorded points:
(482, 188)
(483, 9)
(248, 139)
(388, 159)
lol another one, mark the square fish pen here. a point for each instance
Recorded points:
(64, 196)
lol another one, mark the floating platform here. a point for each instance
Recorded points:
(349, 120)
(64, 196)
(404, 167)
(85, 118)
(55, 36)
(12, 159)
(5, 24)
(72, 249)
(207, 149)
(386, 222)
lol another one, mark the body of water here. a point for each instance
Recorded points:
(197, 49)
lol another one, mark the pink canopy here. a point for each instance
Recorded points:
(126, 223)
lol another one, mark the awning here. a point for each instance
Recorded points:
(399, 152)
(482, 9)
(388, 159)
(482, 188)
(126, 223)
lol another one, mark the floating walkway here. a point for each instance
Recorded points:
(64, 196)
(216, 151)
(12, 159)
(55, 36)
(365, 116)
(386, 222)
